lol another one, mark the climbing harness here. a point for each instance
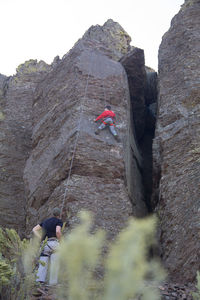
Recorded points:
(76, 141)
(109, 124)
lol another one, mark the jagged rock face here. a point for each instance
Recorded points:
(79, 87)
(177, 144)
(112, 36)
(16, 95)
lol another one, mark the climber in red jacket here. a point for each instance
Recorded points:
(107, 117)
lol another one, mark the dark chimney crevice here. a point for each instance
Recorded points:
(146, 141)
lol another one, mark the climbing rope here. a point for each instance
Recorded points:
(104, 93)
(76, 140)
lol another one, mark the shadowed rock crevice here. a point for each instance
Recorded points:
(146, 141)
(143, 105)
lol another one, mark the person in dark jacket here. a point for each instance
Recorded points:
(51, 229)
(107, 117)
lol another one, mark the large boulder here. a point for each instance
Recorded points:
(177, 144)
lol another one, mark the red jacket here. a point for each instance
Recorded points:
(106, 114)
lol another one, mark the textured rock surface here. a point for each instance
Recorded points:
(177, 144)
(16, 96)
(112, 36)
(85, 80)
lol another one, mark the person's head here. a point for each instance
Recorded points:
(107, 107)
(56, 212)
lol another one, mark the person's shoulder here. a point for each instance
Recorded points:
(49, 219)
(59, 222)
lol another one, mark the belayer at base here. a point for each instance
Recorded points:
(51, 228)
(107, 117)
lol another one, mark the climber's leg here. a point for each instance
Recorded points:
(109, 121)
(42, 270)
(44, 257)
(54, 264)
(54, 267)
(102, 126)
(112, 130)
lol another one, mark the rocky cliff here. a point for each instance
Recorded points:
(64, 108)
(176, 145)
(112, 36)
(50, 155)
(16, 97)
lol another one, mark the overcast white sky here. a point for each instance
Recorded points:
(43, 29)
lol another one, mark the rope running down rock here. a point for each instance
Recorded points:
(76, 141)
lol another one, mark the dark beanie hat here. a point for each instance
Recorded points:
(56, 212)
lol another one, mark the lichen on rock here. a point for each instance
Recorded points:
(32, 66)
(112, 36)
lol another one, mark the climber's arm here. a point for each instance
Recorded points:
(103, 115)
(37, 231)
(58, 232)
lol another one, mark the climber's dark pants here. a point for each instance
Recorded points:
(108, 122)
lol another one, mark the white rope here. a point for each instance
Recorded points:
(104, 93)
(76, 141)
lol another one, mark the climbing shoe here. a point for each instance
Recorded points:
(38, 292)
(97, 131)
(117, 138)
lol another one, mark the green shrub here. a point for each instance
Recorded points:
(128, 271)
(6, 272)
(123, 272)
(17, 265)
(79, 254)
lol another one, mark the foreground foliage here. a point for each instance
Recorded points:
(17, 265)
(196, 295)
(89, 268)
(128, 271)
